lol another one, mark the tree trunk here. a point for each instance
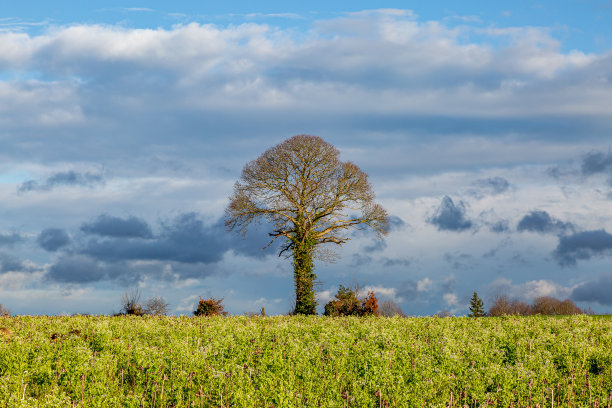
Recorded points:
(304, 278)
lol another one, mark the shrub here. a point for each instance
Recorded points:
(370, 304)
(389, 308)
(156, 306)
(543, 305)
(546, 305)
(346, 302)
(210, 307)
(4, 311)
(131, 303)
(502, 305)
(443, 313)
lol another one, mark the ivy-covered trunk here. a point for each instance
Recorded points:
(304, 276)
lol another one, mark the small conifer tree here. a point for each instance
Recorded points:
(476, 306)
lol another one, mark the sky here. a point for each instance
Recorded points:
(485, 128)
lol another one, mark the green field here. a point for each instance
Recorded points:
(305, 362)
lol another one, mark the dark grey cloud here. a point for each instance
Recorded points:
(75, 269)
(360, 259)
(109, 226)
(52, 239)
(253, 244)
(10, 263)
(494, 251)
(450, 217)
(583, 245)
(541, 222)
(495, 224)
(68, 178)
(10, 238)
(391, 262)
(186, 239)
(599, 290)
(459, 261)
(596, 162)
(493, 185)
(499, 226)
(562, 172)
(408, 290)
(82, 269)
(448, 285)
(377, 245)
(185, 247)
(396, 223)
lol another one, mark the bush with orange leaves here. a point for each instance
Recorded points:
(370, 304)
(210, 307)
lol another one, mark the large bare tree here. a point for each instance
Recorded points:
(309, 197)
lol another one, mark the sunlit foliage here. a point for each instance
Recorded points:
(130, 361)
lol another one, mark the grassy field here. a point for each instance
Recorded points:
(305, 362)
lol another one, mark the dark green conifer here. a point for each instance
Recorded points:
(476, 306)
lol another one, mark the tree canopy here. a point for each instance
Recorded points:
(310, 197)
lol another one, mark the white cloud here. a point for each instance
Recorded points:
(424, 285)
(530, 290)
(381, 291)
(402, 66)
(324, 296)
(451, 299)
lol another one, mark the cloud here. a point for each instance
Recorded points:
(392, 262)
(376, 245)
(529, 290)
(493, 252)
(411, 290)
(52, 239)
(494, 222)
(500, 226)
(109, 226)
(9, 263)
(400, 96)
(596, 162)
(138, 9)
(450, 217)
(541, 222)
(10, 238)
(126, 249)
(68, 178)
(408, 290)
(493, 185)
(396, 223)
(582, 245)
(459, 260)
(381, 291)
(451, 300)
(186, 239)
(84, 269)
(389, 72)
(75, 269)
(598, 290)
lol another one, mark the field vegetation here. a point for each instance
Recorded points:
(305, 361)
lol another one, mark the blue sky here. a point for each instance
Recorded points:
(485, 128)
